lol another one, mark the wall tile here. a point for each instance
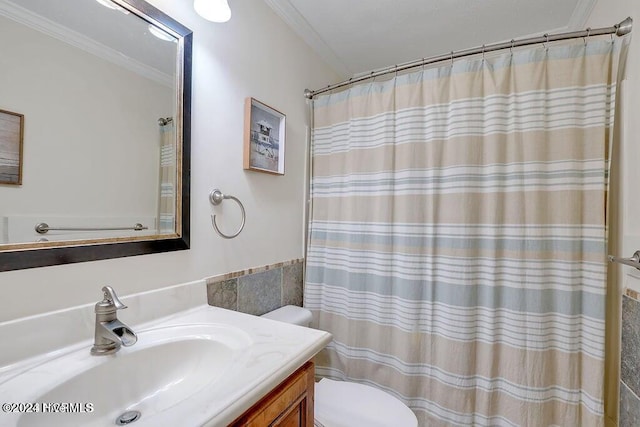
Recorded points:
(252, 270)
(292, 284)
(260, 292)
(223, 294)
(630, 354)
(629, 407)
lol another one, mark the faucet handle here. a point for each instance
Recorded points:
(111, 297)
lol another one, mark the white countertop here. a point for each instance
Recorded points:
(276, 350)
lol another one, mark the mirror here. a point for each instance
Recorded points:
(94, 131)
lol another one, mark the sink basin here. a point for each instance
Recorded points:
(165, 367)
(203, 366)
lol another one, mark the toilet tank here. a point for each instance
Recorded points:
(291, 314)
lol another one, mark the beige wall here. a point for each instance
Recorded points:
(624, 231)
(255, 54)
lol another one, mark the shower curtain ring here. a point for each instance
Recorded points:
(482, 53)
(546, 44)
(452, 59)
(513, 41)
(588, 34)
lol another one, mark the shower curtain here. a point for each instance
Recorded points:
(167, 200)
(457, 235)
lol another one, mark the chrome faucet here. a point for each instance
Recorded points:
(110, 332)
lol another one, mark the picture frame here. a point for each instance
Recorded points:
(264, 138)
(11, 140)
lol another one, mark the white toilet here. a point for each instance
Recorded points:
(347, 404)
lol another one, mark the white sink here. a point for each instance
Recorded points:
(166, 366)
(203, 366)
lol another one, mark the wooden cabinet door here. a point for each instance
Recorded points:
(290, 404)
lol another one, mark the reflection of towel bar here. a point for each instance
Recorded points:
(43, 227)
(216, 197)
(634, 261)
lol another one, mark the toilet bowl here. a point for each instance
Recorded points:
(344, 403)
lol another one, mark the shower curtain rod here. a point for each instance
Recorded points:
(620, 29)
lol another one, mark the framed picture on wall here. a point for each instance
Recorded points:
(11, 131)
(264, 138)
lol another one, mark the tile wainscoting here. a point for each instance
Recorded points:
(258, 290)
(630, 360)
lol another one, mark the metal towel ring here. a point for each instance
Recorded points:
(216, 197)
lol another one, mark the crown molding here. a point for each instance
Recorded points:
(289, 14)
(76, 39)
(580, 14)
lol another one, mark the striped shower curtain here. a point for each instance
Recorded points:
(458, 237)
(167, 200)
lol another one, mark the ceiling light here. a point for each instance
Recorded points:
(213, 10)
(161, 34)
(112, 5)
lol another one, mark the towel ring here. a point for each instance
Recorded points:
(216, 197)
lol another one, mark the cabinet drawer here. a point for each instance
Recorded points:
(290, 404)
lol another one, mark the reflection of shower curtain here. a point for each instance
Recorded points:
(167, 204)
(457, 247)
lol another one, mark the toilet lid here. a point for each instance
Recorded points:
(347, 404)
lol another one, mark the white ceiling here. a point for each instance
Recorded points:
(356, 36)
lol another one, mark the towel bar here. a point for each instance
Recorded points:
(633, 261)
(43, 228)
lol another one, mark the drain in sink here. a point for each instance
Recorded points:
(128, 418)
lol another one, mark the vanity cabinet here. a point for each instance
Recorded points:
(290, 404)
